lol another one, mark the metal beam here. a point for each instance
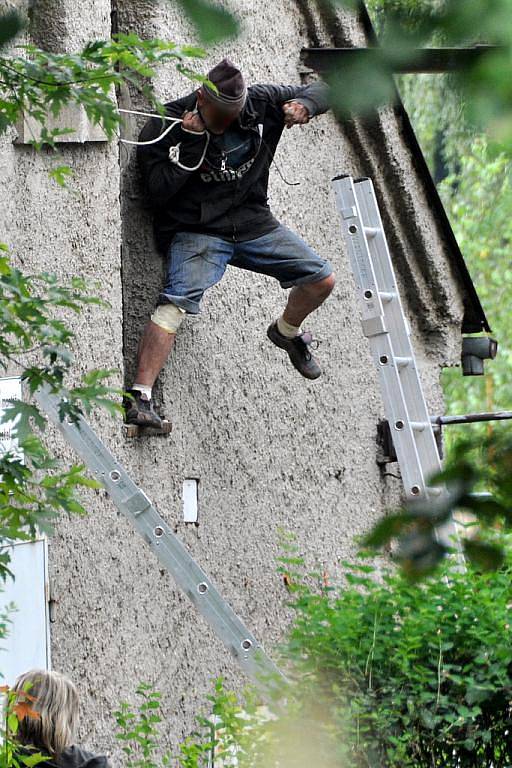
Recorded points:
(432, 60)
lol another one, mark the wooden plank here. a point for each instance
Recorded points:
(135, 430)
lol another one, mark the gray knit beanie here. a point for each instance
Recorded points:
(231, 85)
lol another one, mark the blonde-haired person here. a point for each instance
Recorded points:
(53, 731)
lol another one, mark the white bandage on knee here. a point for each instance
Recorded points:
(168, 316)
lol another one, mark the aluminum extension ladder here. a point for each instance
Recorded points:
(387, 329)
(133, 503)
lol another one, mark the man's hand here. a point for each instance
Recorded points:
(192, 122)
(295, 113)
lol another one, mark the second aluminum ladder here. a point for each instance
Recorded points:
(386, 326)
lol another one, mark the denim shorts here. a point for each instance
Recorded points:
(196, 261)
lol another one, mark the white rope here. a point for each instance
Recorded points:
(174, 151)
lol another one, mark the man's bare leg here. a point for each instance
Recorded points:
(285, 331)
(303, 299)
(153, 351)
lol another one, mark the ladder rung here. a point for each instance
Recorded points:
(402, 362)
(434, 490)
(419, 426)
(386, 296)
(371, 232)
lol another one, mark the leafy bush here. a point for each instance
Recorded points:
(217, 736)
(415, 674)
(383, 673)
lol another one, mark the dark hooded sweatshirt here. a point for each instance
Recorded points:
(227, 195)
(71, 757)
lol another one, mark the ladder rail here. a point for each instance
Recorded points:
(385, 325)
(414, 399)
(375, 327)
(134, 504)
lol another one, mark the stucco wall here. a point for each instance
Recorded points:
(271, 449)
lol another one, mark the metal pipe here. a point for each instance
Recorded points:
(468, 418)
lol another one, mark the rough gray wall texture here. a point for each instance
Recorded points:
(270, 449)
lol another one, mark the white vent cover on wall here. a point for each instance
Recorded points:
(190, 500)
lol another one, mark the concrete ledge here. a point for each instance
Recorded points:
(71, 116)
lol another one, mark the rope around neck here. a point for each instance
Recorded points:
(174, 151)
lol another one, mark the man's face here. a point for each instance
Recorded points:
(215, 117)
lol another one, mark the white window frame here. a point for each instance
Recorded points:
(11, 388)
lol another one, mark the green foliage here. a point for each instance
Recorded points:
(469, 468)
(436, 109)
(405, 25)
(478, 199)
(473, 176)
(139, 731)
(423, 670)
(16, 706)
(26, 316)
(212, 21)
(33, 490)
(220, 734)
(39, 83)
(359, 84)
(382, 673)
(59, 173)
(236, 730)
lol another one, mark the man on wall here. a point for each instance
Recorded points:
(206, 180)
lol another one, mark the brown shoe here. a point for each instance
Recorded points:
(298, 350)
(140, 410)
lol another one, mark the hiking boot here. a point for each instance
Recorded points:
(298, 350)
(140, 410)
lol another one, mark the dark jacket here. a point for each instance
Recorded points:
(71, 757)
(230, 203)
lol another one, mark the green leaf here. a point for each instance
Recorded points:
(387, 528)
(478, 693)
(12, 722)
(31, 760)
(60, 173)
(487, 556)
(213, 22)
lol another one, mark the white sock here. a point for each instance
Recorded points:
(286, 329)
(144, 389)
